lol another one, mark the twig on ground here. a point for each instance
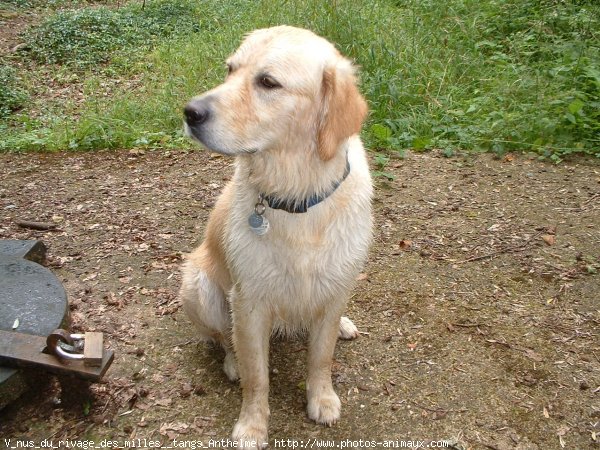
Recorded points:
(513, 249)
(181, 344)
(41, 226)
(438, 410)
(466, 325)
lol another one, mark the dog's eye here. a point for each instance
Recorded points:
(268, 82)
(229, 69)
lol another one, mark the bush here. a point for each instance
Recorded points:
(12, 95)
(41, 3)
(554, 49)
(90, 36)
(500, 75)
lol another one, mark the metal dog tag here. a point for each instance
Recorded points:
(258, 224)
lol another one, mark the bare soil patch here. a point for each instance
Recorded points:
(12, 23)
(479, 304)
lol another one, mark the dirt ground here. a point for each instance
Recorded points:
(479, 304)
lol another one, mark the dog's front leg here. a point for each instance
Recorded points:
(251, 333)
(323, 403)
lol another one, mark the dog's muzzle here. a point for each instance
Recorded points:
(197, 112)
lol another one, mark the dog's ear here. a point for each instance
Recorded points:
(343, 109)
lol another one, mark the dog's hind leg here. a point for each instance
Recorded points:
(205, 303)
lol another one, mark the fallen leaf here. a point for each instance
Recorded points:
(159, 265)
(439, 414)
(132, 400)
(138, 351)
(202, 422)
(171, 368)
(142, 405)
(562, 430)
(533, 355)
(186, 390)
(546, 413)
(163, 402)
(91, 276)
(158, 378)
(112, 300)
(549, 239)
(405, 244)
(174, 426)
(362, 277)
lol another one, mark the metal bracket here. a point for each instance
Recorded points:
(59, 353)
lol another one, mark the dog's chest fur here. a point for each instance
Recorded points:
(306, 261)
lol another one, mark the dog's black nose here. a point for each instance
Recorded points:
(196, 113)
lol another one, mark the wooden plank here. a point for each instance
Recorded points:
(26, 350)
(93, 349)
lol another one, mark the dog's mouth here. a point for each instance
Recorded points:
(192, 132)
(197, 135)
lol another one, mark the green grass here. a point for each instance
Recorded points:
(487, 75)
(12, 93)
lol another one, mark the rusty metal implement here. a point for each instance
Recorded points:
(82, 355)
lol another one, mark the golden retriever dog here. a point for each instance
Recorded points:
(290, 232)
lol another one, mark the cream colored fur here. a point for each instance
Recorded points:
(290, 141)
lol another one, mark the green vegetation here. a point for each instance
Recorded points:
(12, 94)
(491, 75)
(90, 36)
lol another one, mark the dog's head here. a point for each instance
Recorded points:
(287, 88)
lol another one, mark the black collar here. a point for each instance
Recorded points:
(295, 206)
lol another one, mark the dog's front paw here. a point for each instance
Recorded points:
(325, 408)
(250, 435)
